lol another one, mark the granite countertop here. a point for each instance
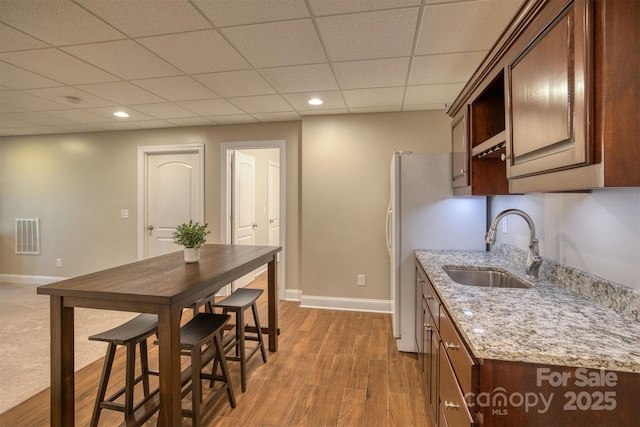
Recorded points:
(545, 324)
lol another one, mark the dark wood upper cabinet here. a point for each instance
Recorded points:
(460, 151)
(549, 89)
(554, 105)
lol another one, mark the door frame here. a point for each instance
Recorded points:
(225, 195)
(143, 153)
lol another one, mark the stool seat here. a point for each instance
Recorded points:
(241, 298)
(200, 329)
(129, 334)
(138, 328)
(239, 301)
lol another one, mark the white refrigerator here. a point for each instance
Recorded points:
(424, 214)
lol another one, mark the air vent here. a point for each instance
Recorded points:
(27, 236)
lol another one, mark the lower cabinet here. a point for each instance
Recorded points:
(464, 391)
(441, 352)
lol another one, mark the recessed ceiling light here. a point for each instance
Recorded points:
(120, 114)
(315, 101)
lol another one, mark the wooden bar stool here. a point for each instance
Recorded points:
(129, 334)
(238, 302)
(201, 338)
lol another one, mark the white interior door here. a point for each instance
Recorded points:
(273, 203)
(244, 206)
(173, 196)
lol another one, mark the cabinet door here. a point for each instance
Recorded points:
(432, 352)
(460, 151)
(420, 322)
(550, 83)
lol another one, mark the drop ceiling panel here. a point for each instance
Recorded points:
(56, 22)
(224, 13)
(211, 107)
(300, 78)
(28, 102)
(154, 124)
(236, 83)
(57, 65)
(78, 97)
(439, 94)
(180, 88)
(234, 118)
(382, 34)
(277, 117)
(196, 62)
(447, 68)
(262, 104)
(332, 7)
(121, 92)
(17, 78)
(163, 110)
(300, 101)
(15, 40)
(141, 18)
(477, 26)
(372, 73)
(36, 117)
(191, 121)
(125, 59)
(383, 97)
(277, 44)
(197, 52)
(80, 116)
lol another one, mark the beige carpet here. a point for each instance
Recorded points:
(24, 341)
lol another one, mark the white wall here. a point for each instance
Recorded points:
(597, 232)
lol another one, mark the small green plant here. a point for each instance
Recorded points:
(191, 235)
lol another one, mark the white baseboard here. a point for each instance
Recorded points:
(350, 304)
(292, 294)
(29, 280)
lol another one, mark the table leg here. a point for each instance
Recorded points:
(62, 380)
(169, 366)
(272, 303)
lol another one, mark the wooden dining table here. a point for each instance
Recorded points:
(163, 285)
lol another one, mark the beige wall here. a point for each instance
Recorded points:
(337, 183)
(77, 185)
(345, 193)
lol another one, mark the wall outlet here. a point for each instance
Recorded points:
(361, 280)
(58, 262)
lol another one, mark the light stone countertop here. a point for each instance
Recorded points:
(545, 324)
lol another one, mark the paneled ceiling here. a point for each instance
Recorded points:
(67, 65)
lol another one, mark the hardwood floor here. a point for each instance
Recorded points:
(333, 368)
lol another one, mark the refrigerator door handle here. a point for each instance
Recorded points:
(388, 231)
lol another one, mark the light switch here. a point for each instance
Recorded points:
(124, 213)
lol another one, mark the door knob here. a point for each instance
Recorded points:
(254, 225)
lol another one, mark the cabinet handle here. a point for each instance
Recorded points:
(504, 157)
(450, 346)
(450, 405)
(429, 297)
(428, 328)
(420, 280)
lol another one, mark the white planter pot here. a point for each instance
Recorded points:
(191, 255)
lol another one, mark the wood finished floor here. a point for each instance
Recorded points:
(333, 368)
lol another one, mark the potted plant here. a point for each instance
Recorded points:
(192, 236)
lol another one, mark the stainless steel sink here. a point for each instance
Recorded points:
(485, 278)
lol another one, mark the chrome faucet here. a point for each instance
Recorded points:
(533, 258)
